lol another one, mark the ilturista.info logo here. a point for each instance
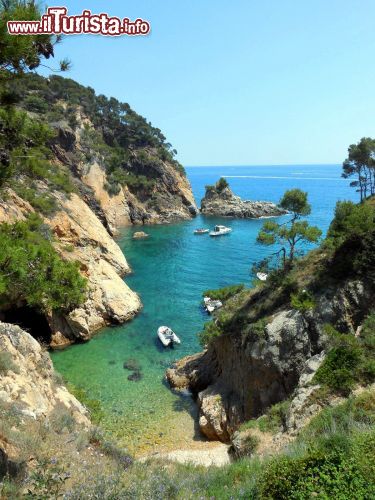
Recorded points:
(57, 22)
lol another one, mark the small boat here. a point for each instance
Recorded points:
(220, 230)
(167, 336)
(262, 276)
(201, 230)
(211, 305)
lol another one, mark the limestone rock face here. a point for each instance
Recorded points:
(239, 376)
(28, 380)
(225, 204)
(81, 237)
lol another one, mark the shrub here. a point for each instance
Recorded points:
(61, 419)
(350, 359)
(302, 301)
(210, 331)
(225, 293)
(316, 474)
(221, 184)
(249, 444)
(31, 270)
(256, 330)
(42, 202)
(35, 104)
(338, 370)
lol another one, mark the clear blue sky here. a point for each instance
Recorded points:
(241, 82)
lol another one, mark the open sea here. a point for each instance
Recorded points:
(171, 269)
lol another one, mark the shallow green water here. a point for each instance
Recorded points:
(171, 270)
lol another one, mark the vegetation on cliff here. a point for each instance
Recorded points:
(361, 165)
(31, 270)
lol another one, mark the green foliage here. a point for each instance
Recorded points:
(42, 202)
(210, 331)
(290, 235)
(295, 201)
(26, 156)
(273, 421)
(256, 330)
(221, 184)
(22, 53)
(46, 480)
(118, 130)
(350, 220)
(31, 270)
(360, 164)
(302, 301)
(333, 475)
(7, 363)
(351, 239)
(224, 293)
(350, 359)
(35, 104)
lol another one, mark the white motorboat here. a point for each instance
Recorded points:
(220, 230)
(201, 230)
(167, 336)
(211, 305)
(262, 276)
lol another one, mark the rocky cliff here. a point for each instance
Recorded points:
(31, 394)
(222, 202)
(255, 364)
(109, 168)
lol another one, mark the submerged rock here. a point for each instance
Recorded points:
(135, 376)
(140, 235)
(132, 365)
(221, 201)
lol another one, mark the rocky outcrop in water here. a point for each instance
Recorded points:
(223, 203)
(241, 374)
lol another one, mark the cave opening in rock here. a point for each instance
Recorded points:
(31, 320)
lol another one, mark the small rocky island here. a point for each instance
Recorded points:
(220, 200)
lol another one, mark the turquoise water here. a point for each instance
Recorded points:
(171, 269)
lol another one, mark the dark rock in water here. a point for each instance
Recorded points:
(135, 376)
(132, 365)
(111, 362)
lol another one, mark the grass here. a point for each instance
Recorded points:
(334, 457)
(274, 420)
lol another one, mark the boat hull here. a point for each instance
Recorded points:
(167, 340)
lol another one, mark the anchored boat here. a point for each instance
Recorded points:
(167, 336)
(220, 230)
(201, 230)
(211, 305)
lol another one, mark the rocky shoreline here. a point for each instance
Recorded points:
(220, 201)
(278, 366)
